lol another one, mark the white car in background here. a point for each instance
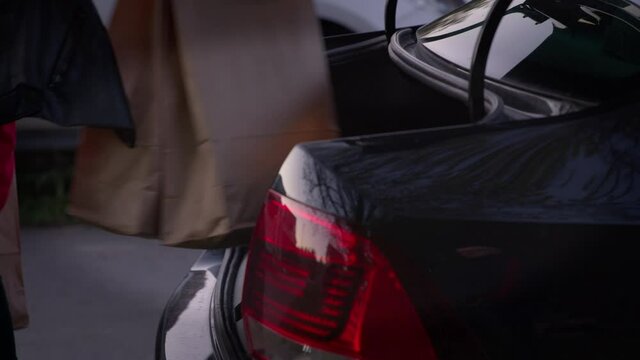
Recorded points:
(339, 16)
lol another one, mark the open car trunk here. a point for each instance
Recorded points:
(373, 96)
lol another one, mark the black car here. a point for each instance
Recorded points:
(505, 227)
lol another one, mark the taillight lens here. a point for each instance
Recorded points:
(315, 286)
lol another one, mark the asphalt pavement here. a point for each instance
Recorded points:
(95, 295)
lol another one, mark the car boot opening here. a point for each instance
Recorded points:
(373, 96)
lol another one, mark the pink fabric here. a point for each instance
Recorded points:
(7, 161)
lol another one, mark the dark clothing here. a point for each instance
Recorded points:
(56, 63)
(7, 341)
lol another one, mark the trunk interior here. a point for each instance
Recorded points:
(373, 96)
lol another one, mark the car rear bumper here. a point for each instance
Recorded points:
(194, 322)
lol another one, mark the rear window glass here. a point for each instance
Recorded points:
(585, 49)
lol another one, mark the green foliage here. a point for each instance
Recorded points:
(43, 187)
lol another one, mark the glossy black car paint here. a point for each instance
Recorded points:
(454, 208)
(199, 321)
(184, 331)
(580, 169)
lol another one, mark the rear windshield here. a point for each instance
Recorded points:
(584, 49)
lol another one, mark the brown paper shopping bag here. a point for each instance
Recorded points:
(220, 92)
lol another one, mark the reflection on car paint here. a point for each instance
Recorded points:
(569, 49)
(576, 171)
(186, 321)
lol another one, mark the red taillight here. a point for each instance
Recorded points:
(316, 285)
